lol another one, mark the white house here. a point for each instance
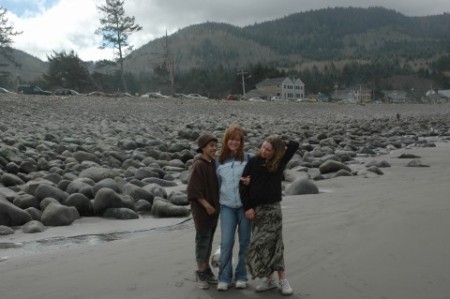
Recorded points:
(279, 88)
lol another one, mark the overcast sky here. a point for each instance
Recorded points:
(57, 25)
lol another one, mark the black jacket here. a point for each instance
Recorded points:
(265, 186)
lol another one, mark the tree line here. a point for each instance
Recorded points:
(217, 80)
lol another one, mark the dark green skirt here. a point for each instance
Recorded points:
(265, 252)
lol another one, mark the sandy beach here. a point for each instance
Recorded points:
(376, 237)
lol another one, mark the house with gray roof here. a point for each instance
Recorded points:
(279, 88)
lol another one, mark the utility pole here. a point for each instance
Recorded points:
(242, 73)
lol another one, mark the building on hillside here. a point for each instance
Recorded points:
(395, 96)
(278, 88)
(356, 95)
(437, 96)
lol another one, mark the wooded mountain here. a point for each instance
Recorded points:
(297, 41)
(303, 39)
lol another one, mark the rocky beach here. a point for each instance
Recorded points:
(365, 205)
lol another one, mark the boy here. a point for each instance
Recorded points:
(203, 195)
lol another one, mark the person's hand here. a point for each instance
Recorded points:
(250, 214)
(245, 180)
(210, 209)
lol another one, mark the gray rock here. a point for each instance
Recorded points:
(178, 198)
(63, 184)
(120, 213)
(184, 177)
(80, 185)
(366, 174)
(46, 201)
(31, 186)
(35, 213)
(4, 230)
(7, 193)
(160, 182)
(98, 173)
(10, 153)
(128, 202)
(28, 167)
(59, 215)
(81, 203)
(379, 164)
(53, 177)
(145, 172)
(137, 192)
(82, 156)
(25, 200)
(11, 215)
(291, 175)
(12, 168)
(342, 172)
(107, 183)
(9, 179)
(143, 206)
(106, 198)
(332, 166)
(375, 169)
(302, 186)
(162, 209)
(156, 190)
(44, 191)
(367, 151)
(408, 156)
(34, 226)
(416, 163)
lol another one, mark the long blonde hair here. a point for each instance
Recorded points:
(279, 149)
(232, 131)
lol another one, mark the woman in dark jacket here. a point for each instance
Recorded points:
(261, 199)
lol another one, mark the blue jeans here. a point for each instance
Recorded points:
(230, 219)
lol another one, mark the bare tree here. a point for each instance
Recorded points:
(169, 63)
(115, 29)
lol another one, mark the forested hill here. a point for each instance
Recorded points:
(388, 42)
(350, 32)
(319, 35)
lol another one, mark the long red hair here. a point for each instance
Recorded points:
(232, 131)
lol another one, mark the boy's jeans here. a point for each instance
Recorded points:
(230, 219)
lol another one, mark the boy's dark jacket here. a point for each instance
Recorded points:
(203, 183)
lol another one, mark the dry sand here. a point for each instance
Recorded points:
(376, 237)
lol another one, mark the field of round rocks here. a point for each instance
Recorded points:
(62, 158)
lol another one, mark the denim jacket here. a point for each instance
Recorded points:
(229, 174)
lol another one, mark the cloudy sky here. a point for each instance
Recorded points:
(57, 25)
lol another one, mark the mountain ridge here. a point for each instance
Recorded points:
(295, 41)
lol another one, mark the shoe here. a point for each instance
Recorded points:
(211, 278)
(222, 286)
(202, 280)
(240, 284)
(266, 285)
(285, 287)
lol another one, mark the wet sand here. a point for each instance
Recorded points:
(377, 237)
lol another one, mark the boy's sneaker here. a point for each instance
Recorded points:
(222, 286)
(266, 285)
(240, 284)
(211, 278)
(285, 287)
(202, 280)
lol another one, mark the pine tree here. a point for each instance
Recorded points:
(115, 29)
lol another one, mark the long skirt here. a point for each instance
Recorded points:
(265, 253)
